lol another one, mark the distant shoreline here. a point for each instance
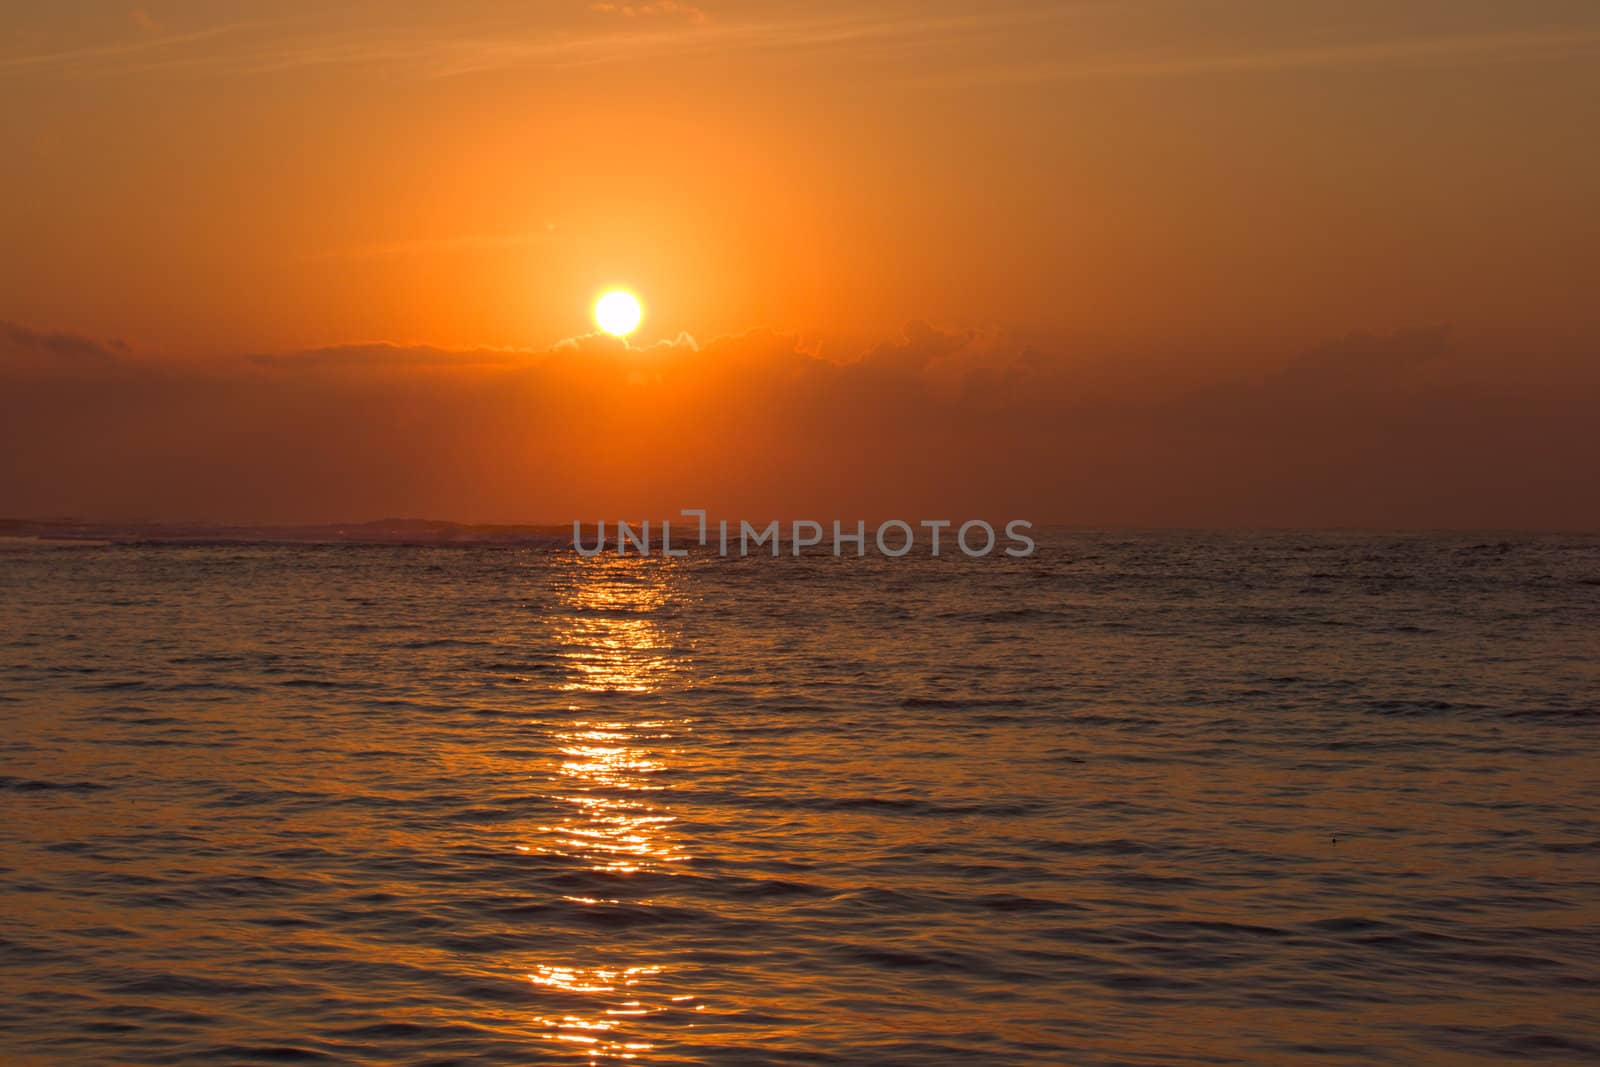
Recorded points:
(387, 532)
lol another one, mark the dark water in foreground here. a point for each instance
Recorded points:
(1140, 799)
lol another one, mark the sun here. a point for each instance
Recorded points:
(618, 312)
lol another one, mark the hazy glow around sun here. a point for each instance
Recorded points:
(618, 312)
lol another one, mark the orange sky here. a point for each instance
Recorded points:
(1141, 204)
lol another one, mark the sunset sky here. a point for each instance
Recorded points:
(1258, 262)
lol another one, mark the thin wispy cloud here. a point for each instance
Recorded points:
(120, 54)
(1512, 46)
(471, 242)
(657, 7)
(633, 36)
(632, 32)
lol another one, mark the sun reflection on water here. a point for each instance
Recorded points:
(597, 1034)
(614, 628)
(616, 636)
(613, 833)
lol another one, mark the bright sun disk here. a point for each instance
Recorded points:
(618, 313)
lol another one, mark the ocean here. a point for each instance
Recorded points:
(1140, 798)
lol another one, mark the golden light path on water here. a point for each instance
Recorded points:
(610, 635)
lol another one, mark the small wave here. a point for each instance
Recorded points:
(40, 785)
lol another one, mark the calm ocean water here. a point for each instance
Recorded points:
(1139, 799)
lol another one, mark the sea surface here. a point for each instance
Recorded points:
(1138, 799)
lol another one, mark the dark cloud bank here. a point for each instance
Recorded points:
(1404, 430)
